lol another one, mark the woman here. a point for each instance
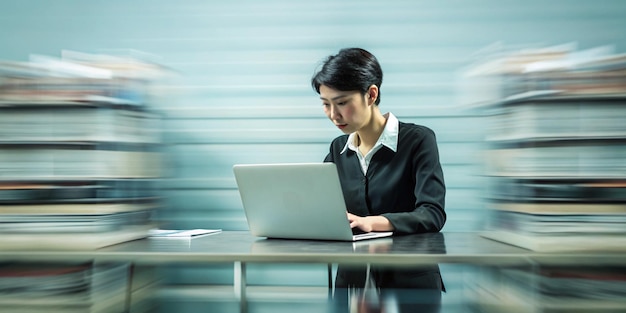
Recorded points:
(389, 170)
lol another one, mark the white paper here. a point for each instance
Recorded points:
(184, 233)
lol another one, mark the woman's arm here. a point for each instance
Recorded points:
(429, 214)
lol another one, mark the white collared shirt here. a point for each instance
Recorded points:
(388, 138)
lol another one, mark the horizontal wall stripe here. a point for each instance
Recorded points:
(456, 177)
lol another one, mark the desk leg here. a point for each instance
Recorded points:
(129, 287)
(240, 286)
(330, 281)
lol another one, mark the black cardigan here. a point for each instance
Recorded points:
(406, 186)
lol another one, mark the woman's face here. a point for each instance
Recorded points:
(348, 110)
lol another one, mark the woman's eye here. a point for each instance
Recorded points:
(341, 103)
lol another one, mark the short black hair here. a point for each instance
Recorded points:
(350, 69)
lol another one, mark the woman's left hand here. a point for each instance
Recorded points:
(369, 223)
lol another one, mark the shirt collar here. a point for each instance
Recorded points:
(388, 138)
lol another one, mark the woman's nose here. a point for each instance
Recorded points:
(332, 112)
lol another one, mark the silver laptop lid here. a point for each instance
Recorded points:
(296, 201)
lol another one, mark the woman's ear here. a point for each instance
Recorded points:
(372, 93)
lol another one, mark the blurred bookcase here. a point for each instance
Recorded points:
(555, 162)
(80, 162)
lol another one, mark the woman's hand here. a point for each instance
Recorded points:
(369, 223)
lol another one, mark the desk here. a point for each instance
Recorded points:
(240, 248)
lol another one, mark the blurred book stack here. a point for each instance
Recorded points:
(556, 148)
(67, 288)
(550, 289)
(79, 151)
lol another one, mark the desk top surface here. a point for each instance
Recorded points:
(241, 246)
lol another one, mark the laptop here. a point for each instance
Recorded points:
(296, 201)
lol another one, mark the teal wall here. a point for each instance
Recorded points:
(242, 93)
